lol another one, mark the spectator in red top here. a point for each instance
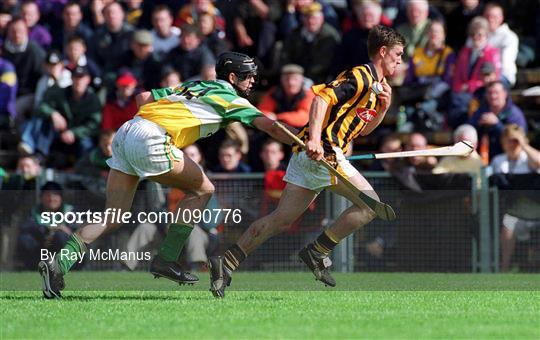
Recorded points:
(289, 101)
(467, 73)
(122, 106)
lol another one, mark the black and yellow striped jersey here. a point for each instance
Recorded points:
(352, 105)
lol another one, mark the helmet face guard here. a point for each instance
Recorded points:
(240, 64)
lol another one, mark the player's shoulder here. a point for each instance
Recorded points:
(223, 93)
(351, 74)
(218, 88)
(364, 71)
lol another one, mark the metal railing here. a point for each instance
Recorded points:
(451, 225)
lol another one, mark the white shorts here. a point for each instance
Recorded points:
(143, 148)
(310, 174)
(520, 227)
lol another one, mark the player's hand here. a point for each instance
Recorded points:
(314, 150)
(59, 122)
(385, 96)
(271, 115)
(67, 137)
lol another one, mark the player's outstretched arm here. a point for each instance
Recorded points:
(267, 125)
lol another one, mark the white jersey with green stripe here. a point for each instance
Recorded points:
(197, 109)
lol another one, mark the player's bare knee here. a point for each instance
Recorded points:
(207, 189)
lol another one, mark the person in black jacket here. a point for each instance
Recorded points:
(28, 58)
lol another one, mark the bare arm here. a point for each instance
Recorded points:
(317, 112)
(267, 125)
(144, 98)
(316, 117)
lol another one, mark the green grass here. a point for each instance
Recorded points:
(275, 305)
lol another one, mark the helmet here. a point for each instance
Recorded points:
(237, 63)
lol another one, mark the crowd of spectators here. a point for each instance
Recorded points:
(70, 71)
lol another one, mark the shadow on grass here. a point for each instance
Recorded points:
(109, 298)
(151, 297)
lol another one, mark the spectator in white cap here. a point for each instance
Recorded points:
(55, 74)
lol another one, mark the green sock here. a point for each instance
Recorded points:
(174, 241)
(66, 259)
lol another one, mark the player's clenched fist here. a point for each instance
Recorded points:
(314, 150)
(385, 96)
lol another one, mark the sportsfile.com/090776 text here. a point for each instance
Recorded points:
(113, 215)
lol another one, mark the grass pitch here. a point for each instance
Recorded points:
(275, 305)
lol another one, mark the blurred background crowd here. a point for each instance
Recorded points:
(70, 70)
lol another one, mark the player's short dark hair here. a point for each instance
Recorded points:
(380, 36)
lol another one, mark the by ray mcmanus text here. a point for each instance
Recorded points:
(97, 255)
